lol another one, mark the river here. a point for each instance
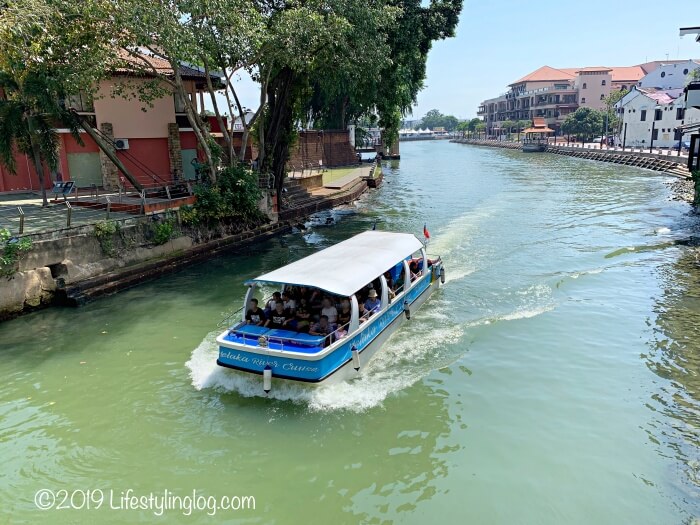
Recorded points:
(554, 379)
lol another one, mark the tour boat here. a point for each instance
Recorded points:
(341, 271)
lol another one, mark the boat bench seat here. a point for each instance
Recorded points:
(277, 339)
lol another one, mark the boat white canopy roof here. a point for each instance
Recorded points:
(346, 267)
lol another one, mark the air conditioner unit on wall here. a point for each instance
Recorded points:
(121, 144)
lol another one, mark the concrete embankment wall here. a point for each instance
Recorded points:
(666, 163)
(72, 266)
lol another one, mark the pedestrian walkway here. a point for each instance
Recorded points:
(361, 171)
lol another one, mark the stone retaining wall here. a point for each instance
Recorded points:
(673, 165)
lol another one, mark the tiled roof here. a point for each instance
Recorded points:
(662, 96)
(629, 73)
(545, 74)
(148, 64)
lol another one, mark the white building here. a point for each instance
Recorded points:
(648, 113)
(673, 75)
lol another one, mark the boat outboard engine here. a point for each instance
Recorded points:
(442, 275)
(355, 358)
(267, 379)
(407, 310)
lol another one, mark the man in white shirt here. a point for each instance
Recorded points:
(329, 311)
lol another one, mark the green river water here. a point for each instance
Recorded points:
(554, 379)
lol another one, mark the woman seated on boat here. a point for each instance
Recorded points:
(373, 304)
(343, 319)
(302, 318)
(324, 328)
(279, 317)
(255, 315)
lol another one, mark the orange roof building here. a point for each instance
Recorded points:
(553, 93)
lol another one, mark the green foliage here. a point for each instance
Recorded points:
(104, 231)
(584, 122)
(189, 215)
(13, 250)
(434, 119)
(163, 231)
(234, 196)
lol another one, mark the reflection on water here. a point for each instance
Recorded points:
(674, 354)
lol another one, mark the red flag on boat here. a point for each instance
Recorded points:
(426, 233)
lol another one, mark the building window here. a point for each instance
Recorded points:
(179, 104)
(584, 86)
(643, 115)
(680, 113)
(655, 134)
(685, 71)
(623, 88)
(658, 114)
(602, 97)
(583, 100)
(602, 83)
(82, 103)
(663, 74)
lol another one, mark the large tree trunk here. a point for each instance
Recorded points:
(38, 166)
(198, 126)
(279, 127)
(36, 157)
(228, 140)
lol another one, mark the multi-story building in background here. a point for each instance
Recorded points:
(554, 93)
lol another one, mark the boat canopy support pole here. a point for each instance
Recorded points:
(406, 275)
(354, 315)
(385, 292)
(425, 261)
(246, 301)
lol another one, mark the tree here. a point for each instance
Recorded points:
(480, 127)
(584, 122)
(613, 121)
(434, 119)
(41, 63)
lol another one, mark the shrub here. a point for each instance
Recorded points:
(13, 250)
(163, 231)
(235, 196)
(104, 230)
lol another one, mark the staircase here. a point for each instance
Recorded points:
(296, 197)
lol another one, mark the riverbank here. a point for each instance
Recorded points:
(637, 157)
(73, 266)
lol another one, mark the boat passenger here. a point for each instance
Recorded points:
(329, 310)
(255, 315)
(272, 302)
(343, 319)
(373, 304)
(415, 269)
(279, 317)
(302, 319)
(289, 303)
(323, 327)
(363, 313)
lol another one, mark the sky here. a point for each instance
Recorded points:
(500, 41)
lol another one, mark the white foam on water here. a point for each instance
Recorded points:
(595, 271)
(662, 231)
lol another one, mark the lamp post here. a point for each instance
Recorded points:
(653, 128)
